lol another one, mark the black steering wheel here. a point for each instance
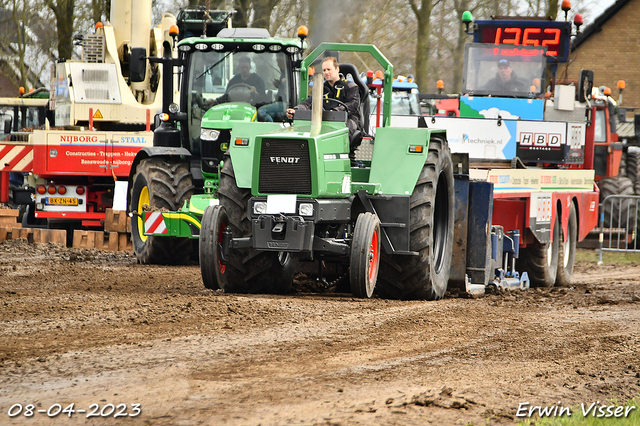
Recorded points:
(337, 101)
(240, 92)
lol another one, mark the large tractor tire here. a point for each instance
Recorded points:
(248, 270)
(633, 169)
(160, 184)
(425, 276)
(540, 261)
(617, 210)
(567, 250)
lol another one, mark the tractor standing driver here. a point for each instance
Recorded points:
(341, 89)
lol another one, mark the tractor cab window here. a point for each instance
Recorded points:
(502, 70)
(238, 79)
(600, 127)
(232, 77)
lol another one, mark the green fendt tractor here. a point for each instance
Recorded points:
(172, 183)
(290, 195)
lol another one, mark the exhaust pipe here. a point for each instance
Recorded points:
(316, 104)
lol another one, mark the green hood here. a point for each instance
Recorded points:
(222, 116)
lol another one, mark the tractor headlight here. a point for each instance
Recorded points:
(209, 135)
(174, 108)
(259, 207)
(305, 209)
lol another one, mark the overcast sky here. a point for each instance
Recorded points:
(597, 10)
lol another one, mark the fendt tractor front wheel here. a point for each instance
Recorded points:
(540, 261)
(249, 270)
(567, 252)
(214, 222)
(425, 276)
(159, 184)
(365, 255)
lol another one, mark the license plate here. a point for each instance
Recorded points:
(56, 201)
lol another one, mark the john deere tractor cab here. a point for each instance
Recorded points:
(290, 195)
(242, 75)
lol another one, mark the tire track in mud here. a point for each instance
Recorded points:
(135, 333)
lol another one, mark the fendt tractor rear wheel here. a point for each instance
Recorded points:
(249, 270)
(214, 222)
(160, 184)
(432, 212)
(365, 255)
(540, 261)
(567, 252)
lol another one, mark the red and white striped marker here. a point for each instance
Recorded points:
(16, 158)
(154, 223)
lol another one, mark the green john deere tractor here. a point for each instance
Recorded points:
(290, 195)
(172, 183)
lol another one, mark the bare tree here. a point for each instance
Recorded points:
(24, 38)
(63, 11)
(20, 18)
(262, 11)
(100, 10)
(422, 12)
(287, 16)
(393, 35)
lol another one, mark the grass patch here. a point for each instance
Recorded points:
(577, 418)
(608, 258)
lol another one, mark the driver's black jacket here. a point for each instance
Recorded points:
(345, 91)
(253, 80)
(514, 84)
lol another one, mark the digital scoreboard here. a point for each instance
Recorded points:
(554, 35)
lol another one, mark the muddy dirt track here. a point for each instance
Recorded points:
(93, 327)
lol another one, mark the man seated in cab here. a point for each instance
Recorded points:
(245, 86)
(506, 79)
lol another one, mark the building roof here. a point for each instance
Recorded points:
(596, 26)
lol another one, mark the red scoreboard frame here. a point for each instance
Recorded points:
(554, 35)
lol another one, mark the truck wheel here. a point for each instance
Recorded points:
(365, 255)
(616, 210)
(567, 250)
(214, 222)
(425, 276)
(159, 184)
(540, 261)
(249, 270)
(29, 218)
(633, 169)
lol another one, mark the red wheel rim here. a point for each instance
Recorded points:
(221, 229)
(373, 256)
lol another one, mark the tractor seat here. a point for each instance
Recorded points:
(345, 70)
